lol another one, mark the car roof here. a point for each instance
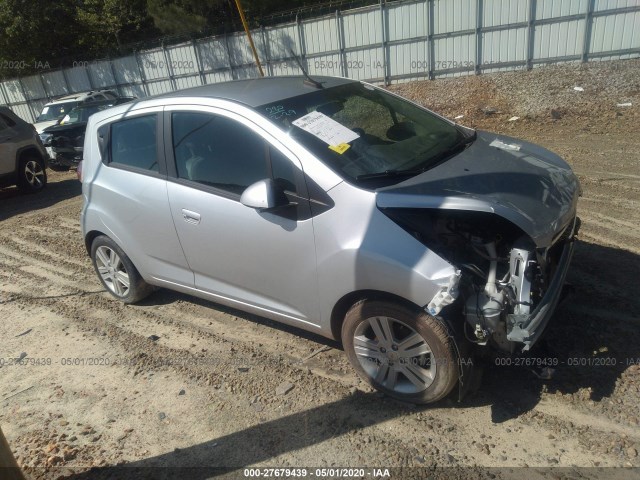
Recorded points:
(259, 91)
(79, 96)
(98, 103)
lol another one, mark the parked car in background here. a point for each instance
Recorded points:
(58, 108)
(23, 158)
(337, 207)
(65, 140)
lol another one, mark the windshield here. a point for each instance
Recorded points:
(364, 133)
(53, 112)
(81, 114)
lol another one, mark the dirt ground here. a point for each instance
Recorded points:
(92, 389)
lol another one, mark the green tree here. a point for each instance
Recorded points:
(109, 24)
(36, 33)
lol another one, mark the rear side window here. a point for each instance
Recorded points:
(133, 143)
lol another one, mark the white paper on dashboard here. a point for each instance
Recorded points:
(325, 128)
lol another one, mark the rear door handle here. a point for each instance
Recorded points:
(190, 217)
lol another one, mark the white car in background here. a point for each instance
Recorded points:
(54, 111)
(57, 109)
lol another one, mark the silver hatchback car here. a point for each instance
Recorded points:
(337, 207)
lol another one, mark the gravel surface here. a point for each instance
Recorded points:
(181, 382)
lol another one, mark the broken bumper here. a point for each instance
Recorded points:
(527, 329)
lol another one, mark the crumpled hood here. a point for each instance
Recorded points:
(531, 187)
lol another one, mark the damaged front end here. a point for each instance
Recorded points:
(506, 287)
(503, 213)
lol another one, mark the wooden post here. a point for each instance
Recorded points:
(9, 469)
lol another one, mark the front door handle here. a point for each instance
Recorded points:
(190, 217)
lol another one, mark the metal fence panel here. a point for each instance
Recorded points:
(503, 12)
(615, 32)
(55, 83)
(406, 21)
(33, 87)
(23, 110)
(558, 8)
(101, 74)
(396, 41)
(214, 54)
(455, 53)
(158, 87)
(362, 28)
(182, 60)
(454, 15)
(554, 40)
(126, 70)
(78, 80)
(600, 5)
(320, 35)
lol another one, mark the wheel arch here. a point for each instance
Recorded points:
(90, 237)
(26, 151)
(343, 305)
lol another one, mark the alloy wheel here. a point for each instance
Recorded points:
(394, 355)
(34, 174)
(112, 271)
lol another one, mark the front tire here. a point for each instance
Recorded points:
(32, 176)
(116, 271)
(401, 351)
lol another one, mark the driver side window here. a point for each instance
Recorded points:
(222, 153)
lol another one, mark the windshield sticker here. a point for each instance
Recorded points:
(325, 128)
(510, 147)
(45, 110)
(277, 112)
(343, 147)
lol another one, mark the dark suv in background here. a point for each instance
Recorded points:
(23, 158)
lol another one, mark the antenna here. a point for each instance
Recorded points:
(308, 80)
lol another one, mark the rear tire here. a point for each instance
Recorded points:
(116, 271)
(401, 351)
(32, 176)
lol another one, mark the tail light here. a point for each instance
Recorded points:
(79, 171)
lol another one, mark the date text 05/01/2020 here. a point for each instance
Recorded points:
(317, 472)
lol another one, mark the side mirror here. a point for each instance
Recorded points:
(264, 195)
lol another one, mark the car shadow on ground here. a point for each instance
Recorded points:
(258, 443)
(14, 202)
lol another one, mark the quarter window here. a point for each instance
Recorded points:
(133, 143)
(222, 153)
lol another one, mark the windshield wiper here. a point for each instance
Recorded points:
(391, 174)
(449, 152)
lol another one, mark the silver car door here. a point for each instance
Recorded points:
(133, 184)
(255, 260)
